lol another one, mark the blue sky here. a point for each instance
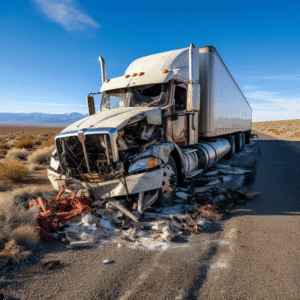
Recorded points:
(49, 48)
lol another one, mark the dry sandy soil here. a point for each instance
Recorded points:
(288, 130)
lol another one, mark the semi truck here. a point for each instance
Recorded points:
(171, 116)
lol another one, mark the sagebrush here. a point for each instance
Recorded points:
(12, 169)
(41, 156)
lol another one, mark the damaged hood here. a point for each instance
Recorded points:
(117, 118)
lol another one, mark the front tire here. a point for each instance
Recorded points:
(170, 176)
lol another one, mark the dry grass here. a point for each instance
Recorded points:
(285, 130)
(17, 153)
(41, 156)
(14, 252)
(12, 169)
(25, 235)
(47, 143)
(11, 143)
(4, 146)
(25, 142)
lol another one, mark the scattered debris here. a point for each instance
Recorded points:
(182, 195)
(84, 223)
(51, 264)
(108, 261)
(212, 173)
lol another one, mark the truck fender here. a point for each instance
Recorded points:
(163, 152)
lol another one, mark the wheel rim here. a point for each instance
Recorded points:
(167, 189)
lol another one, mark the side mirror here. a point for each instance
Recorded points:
(193, 97)
(91, 105)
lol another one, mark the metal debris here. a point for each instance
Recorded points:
(51, 264)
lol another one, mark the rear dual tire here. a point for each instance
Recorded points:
(231, 140)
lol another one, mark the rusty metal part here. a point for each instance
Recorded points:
(123, 209)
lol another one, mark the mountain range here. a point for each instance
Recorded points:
(39, 118)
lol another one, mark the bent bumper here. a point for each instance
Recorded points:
(136, 183)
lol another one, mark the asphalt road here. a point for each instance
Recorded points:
(252, 253)
(264, 235)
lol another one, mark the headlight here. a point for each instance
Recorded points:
(144, 163)
(53, 162)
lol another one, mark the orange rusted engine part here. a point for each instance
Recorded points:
(57, 209)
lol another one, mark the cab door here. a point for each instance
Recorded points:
(178, 124)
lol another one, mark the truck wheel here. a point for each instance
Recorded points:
(231, 140)
(167, 191)
(247, 138)
(243, 140)
(239, 142)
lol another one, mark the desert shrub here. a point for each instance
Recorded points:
(3, 151)
(13, 252)
(17, 153)
(297, 134)
(11, 143)
(38, 142)
(4, 146)
(25, 142)
(15, 217)
(47, 143)
(41, 156)
(25, 235)
(12, 169)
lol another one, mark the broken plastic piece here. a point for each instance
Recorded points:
(108, 261)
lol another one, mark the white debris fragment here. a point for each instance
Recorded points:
(215, 181)
(182, 195)
(184, 189)
(97, 203)
(220, 166)
(200, 189)
(235, 171)
(212, 173)
(107, 261)
(106, 224)
(218, 199)
(226, 178)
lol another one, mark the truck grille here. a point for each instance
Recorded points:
(71, 153)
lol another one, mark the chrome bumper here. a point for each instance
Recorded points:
(136, 183)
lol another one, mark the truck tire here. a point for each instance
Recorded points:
(247, 137)
(239, 142)
(231, 140)
(167, 191)
(243, 140)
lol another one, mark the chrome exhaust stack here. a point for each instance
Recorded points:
(103, 70)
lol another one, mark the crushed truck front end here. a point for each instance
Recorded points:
(91, 159)
(127, 160)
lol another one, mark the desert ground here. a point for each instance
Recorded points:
(288, 130)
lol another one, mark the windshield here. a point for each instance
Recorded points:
(147, 95)
(113, 99)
